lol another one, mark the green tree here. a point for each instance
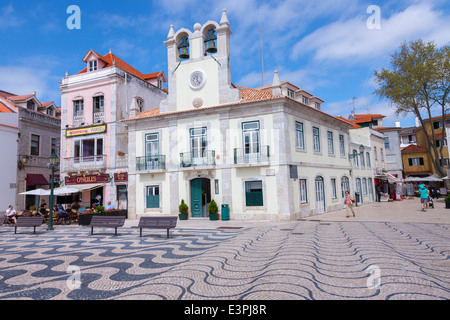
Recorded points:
(419, 83)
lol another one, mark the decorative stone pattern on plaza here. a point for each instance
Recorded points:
(294, 260)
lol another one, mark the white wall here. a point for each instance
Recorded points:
(8, 161)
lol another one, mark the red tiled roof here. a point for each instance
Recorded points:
(20, 98)
(4, 108)
(361, 118)
(109, 60)
(414, 148)
(149, 113)
(248, 95)
(8, 126)
(355, 126)
(387, 128)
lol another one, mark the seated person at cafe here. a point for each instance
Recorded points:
(109, 206)
(59, 208)
(43, 208)
(10, 215)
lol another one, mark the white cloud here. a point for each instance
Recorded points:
(8, 18)
(25, 80)
(351, 40)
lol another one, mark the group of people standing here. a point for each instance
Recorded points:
(425, 197)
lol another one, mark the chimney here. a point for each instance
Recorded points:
(397, 124)
(417, 122)
(276, 84)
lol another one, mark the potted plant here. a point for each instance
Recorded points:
(183, 209)
(120, 153)
(213, 210)
(447, 201)
(85, 217)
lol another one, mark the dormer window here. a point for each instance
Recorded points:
(305, 100)
(30, 105)
(92, 65)
(50, 112)
(291, 93)
(317, 105)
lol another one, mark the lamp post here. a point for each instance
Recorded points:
(53, 163)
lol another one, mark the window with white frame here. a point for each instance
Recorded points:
(99, 103)
(364, 185)
(355, 158)
(78, 107)
(386, 142)
(92, 65)
(291, 93)
(368, 159)
(330, 142)
(299, 136)
(342, 145)
(345, 185)
(35, 145)
(333, 189)
(305, 100)
(303, 191)
(416, 162)
(88, 150)
(140, 104)
(316, 139)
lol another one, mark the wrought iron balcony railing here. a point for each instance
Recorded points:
(204, 158)
(249, 155)
(151, 162)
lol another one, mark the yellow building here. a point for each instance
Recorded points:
(421, 135)
(416, 161)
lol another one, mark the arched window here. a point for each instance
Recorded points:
(345, 185)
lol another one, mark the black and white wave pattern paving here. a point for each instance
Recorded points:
(296, 260)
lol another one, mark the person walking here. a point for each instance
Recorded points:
(349, 203)
(423, 197)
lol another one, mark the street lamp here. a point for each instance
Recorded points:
(53, 163)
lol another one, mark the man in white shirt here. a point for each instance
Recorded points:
(11, 214)
(109, 206)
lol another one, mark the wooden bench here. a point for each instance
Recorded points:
(163, 222)
(106, 222)
(28, 222)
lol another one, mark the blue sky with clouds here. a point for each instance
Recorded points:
(322, 46)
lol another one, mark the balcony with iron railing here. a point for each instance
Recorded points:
(94, 162)
(249, 156)
(154, 162)
(191, 159)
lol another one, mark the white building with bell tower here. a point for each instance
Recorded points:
(203, 79)
(267, 153)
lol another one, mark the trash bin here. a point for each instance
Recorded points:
(225, 213)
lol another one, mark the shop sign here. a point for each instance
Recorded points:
(87, 179)
(85, 131)
(121, 177)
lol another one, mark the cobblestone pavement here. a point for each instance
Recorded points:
(310, 259)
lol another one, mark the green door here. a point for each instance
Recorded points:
(196, 198)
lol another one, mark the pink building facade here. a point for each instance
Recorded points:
(94, 141)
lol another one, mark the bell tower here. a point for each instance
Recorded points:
(199, 73)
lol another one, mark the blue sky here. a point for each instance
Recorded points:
(324, 47)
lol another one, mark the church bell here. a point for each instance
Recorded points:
(210, 38)
(183, 46)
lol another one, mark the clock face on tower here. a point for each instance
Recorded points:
(197, 80)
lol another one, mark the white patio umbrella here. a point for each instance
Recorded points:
(37, 192)
(64, 190)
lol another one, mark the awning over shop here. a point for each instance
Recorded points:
(87, 187)
(36, 179)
